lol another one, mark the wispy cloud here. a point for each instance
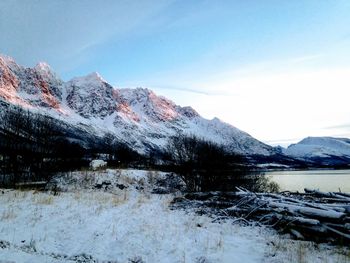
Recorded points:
(193, 90)
(201, 92)
(344, 135)
(340, 126)
(283, 142)
(61, 31)
(306, 58)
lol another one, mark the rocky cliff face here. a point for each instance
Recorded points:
(90, 96)
(136, 116)
(36, 87)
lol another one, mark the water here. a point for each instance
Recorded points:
(323, 180)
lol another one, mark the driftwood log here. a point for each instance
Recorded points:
(313, 215)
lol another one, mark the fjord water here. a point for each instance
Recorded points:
(323, 180)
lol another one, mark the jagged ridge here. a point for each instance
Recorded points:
(136, 116)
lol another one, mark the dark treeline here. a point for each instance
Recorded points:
(118, 154)
(33, 147)
(206, 166)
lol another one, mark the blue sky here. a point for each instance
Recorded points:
(279, 70)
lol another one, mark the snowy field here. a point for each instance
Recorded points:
(113, 216)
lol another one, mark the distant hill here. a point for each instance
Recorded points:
(322, 150)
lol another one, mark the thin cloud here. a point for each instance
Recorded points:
(283, 141)
(63, 38)
(186, 87)
(191, 90)
(306, 58)
(341, 135)
(340, 126)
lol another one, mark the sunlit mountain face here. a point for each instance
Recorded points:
(136, 116)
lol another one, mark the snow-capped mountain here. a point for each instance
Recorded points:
(325, 150)
(30, 87)
(90, 96)
(137, 116)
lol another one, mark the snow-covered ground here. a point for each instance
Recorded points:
(112, 216)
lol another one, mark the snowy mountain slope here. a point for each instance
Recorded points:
(90, 96)
(161, 118)
(323, 150)
(320, 147)
(137, 117)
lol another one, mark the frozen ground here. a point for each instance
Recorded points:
(112, 216)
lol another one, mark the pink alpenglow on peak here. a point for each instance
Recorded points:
(136, 116)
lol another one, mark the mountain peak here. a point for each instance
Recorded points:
(94, 75)
(137, 116)
(145, 91)
(90, 96)
(6, 58)
(189, 112)
(89, 80)
(43, 66)
(8, 62)
(333, 150)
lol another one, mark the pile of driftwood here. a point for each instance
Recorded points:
(313, 215)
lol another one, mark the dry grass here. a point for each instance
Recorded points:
(120, 199)
(100, 201)
(152, 177)
(8, 214)
(308, 252)
(43, 199)
(108, 200)
(21, 194)
(127, 180)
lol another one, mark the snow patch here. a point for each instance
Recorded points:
(95, 164)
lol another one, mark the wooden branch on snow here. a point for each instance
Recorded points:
(313, 215)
